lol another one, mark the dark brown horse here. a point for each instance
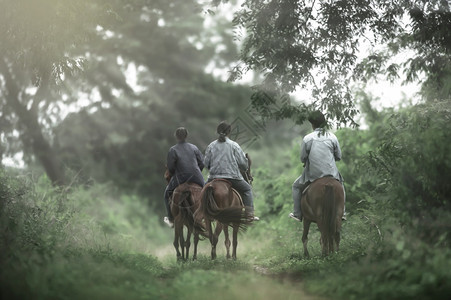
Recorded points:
(323, 204)
(221, 203)
(185, 200)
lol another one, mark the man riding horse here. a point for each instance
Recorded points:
(185, 164)
(319, 152)
(225, 159)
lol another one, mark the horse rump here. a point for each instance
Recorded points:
(185, 204)
(239, 215)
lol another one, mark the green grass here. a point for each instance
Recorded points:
(93, 243)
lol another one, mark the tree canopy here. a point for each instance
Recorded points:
(325, 46)
(60, 56)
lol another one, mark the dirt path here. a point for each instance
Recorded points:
(256, 283)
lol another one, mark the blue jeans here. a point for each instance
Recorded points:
(297, 189)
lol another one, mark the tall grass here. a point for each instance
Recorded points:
(75, 244)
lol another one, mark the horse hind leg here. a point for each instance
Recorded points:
(188, 242)
(227, 240)
(176, 240)
(332, 244)
(215, 237)
(337, 235)
(211, 238)
(235, 240)
(196, 241)
(182, 243)
(305, 237)
(337, 240)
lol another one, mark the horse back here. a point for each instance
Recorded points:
(187, 191)
(314, 200)
(224, 194)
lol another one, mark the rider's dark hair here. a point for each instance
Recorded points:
(317, 119)
(223, 130)
(181, 133)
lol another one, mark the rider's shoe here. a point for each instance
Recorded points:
(168, 222)
(343, 218)
(299, 219)
(255, 218)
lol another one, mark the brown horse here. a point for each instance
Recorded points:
(221, 203)
(185, 201)
(323, 204)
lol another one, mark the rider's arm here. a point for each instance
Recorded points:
(241, 158)
(305, 150)
(337, 150)
(171, 161)
(207, 158)
(199, 158)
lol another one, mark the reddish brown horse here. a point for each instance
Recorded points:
(221, 203)
(184, 202)
(323, 204)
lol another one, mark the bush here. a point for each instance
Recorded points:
(75, 244)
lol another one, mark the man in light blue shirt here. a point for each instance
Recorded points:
(225, 159)
(319, 152)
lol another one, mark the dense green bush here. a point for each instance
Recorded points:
(414, 156)
(77, 243)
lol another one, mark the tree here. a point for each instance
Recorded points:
(58, 52)
(318, 45)
(35, 41)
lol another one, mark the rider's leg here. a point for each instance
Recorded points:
(173, 183)
(297, 189)
(167, 195)
(245, 191)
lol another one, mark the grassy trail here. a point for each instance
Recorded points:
(246, 278)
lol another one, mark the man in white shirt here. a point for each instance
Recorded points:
(319, 152)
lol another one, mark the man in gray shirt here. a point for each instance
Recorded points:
(319, 151)
(185, 164)
(225, 159)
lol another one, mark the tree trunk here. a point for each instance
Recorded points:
(40, 146)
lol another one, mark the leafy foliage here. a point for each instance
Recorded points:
(318, 45)
(414, 155)
(129, 57)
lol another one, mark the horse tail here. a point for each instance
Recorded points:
(329, 218)
(229, 215)
(185, 206)
(208, 204)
